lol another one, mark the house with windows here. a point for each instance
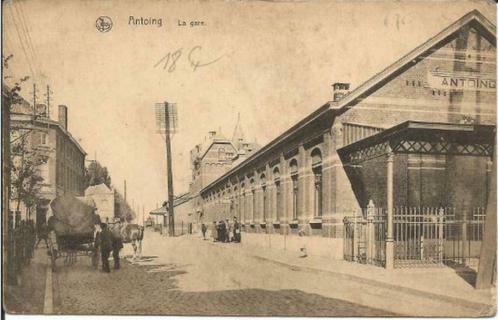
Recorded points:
(409, 148)
(211, 159)
(64, 171)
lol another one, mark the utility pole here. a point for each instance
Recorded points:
(166, 121)
(171, 214)
(48, 101)
(124, 190)
(143, 216)
(34, 100)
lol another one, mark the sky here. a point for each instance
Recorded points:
(272, 62)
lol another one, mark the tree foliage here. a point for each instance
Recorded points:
(96, 174)
(26, 161)
(122, 208)
(12, 95)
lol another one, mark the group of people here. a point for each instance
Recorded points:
(223, 231)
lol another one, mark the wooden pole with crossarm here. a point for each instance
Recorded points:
(171, 215)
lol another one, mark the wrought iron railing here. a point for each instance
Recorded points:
(422, 236)
(364, 237)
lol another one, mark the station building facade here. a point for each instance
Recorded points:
(429, 118)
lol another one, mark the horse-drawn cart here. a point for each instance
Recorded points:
(73, 229)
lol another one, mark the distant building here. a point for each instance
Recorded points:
(104, 199)
(64, 171)
(213, 158)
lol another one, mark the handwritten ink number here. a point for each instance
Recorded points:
(170, 56)
(170, 59)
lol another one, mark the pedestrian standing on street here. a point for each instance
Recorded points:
(117, 243)
(42, 235)
(221, 233)
(236, 230)
(140, 239)
(214, 232)
(203, 229)
(105, 246)
(228, 230)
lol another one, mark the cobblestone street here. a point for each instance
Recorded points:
(184, 276)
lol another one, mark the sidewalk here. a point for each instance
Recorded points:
(439, 284)
(29, 295)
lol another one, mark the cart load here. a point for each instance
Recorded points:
(73, 219)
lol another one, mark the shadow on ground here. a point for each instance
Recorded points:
(130, 290)
(464, 272)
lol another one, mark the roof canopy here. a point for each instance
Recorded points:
(159, 211)
(418, 137)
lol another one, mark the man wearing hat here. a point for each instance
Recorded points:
(105, 246)
(117, 243)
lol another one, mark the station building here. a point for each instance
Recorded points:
(420, 133)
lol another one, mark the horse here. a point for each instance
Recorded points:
(134, 234)
(137, 235)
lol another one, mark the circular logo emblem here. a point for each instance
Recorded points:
(103, 24)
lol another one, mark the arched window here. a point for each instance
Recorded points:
(316, 166)
(262, 178)
(236, 203)
(278, 193)
(243, 202)
(253, 193)
(295, 187)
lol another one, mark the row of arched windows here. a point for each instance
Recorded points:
(244, 198)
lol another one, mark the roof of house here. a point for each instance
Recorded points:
(474, 18)
(98, 189)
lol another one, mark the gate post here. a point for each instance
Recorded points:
(440, 221)
(370, 238)
(465, 244)
(355, 237)
(389, 238)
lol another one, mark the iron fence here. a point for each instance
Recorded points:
(365, 236)
(418, 236)
(422, 236)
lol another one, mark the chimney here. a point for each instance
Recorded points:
(340, 90)
(63, 116)
(211, 134)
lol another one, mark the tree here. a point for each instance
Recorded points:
(122, 208)
(26, 161)
(10, 96)
(96, 174)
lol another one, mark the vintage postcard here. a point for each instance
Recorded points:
(249, 158)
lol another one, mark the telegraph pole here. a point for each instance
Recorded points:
(48, 102)
(34, 99)
(171, 214)
(166, 120)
